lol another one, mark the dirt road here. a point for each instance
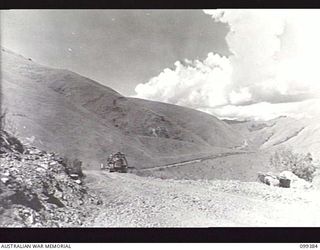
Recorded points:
(178, 164)
(134, 201)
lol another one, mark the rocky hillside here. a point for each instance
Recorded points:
(37, 190)
(61, 111)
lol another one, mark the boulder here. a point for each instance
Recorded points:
(288, 175)
(268, 179)
(78, 182)
(271, 181)
(295, 181)
(74, 176)
(4, 180)
(284, 182)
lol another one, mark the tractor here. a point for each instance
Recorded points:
(117, 163)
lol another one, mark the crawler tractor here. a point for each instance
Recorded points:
(117, 163)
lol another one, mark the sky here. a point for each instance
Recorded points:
(272, 69)
(118, 48)
(234, 64)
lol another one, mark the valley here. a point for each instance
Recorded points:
(190, 169)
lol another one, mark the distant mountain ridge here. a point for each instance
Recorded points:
(301, 135)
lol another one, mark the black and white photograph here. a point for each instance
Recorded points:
(159, 118)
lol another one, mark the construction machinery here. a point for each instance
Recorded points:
(116, 163)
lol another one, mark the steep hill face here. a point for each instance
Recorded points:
(61, 111)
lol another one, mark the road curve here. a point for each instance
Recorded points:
(134, 201)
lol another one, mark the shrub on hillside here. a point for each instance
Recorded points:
(8, 142)
(2, 120)
(301, 165)
(73, 166)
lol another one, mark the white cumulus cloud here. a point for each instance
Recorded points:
(274, 63)
(191, 83)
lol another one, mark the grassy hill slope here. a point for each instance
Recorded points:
(64, 112)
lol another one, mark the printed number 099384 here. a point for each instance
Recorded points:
(308, 245)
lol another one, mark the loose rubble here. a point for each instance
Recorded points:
(37, 191)
(284, 179)
(135, 201)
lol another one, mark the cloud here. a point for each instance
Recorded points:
(190, 83)
(267, 111)
(273, 63)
